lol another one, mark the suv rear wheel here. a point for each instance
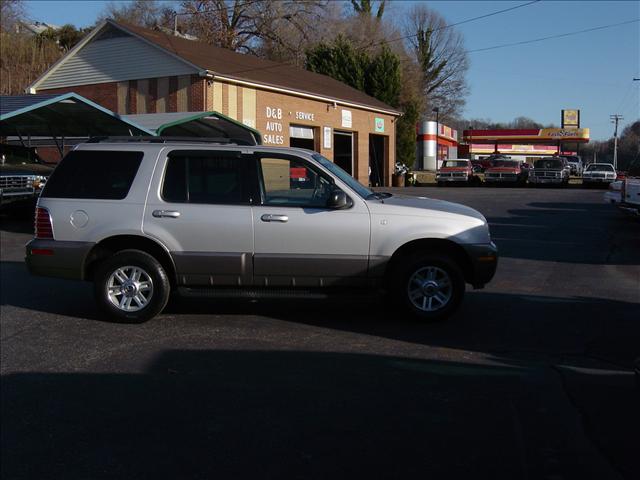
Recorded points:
(131, 286)
(429, 286)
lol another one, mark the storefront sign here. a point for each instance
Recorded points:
(273, 126)
(379, 125)
(308, 117)
(326, 137)
(346, 118)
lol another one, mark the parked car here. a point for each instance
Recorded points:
(549, 171)
(614, 194)
(224, 220)
(506, 171)
(22, 175)
(485, 162)
(598, 174)
(456, 171)
(630, 189)
(575, 164)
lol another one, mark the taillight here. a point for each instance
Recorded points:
(44, 228)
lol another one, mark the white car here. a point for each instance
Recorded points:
(142, 219)
(614, 194)
(598, 173)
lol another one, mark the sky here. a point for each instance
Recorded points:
(591, 71)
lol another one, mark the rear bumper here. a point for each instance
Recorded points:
(52, 258)
(484, 262)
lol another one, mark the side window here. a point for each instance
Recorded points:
(94, 174)
(291, 182)
(210, 179)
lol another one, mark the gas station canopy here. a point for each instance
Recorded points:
(528, 136)
(61, 116)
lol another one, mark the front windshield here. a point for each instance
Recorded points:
(360, 189)
(504, 163)
(600, 168)
(454, 163)
(548, 163)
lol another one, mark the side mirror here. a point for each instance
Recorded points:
(338, 200)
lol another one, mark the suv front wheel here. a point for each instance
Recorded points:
(429, 286)
(131, 286)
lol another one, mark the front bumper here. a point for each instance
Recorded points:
(546, 180)
(501, 179)
(451, 179)
(52, 258)
(597, 180)
(484, 262)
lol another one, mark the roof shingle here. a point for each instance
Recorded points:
(253, 69)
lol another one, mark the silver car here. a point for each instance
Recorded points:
(143, 219)
(598, 173)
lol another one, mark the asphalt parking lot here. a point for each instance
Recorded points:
(532, 378)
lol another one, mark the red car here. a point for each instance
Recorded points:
(506, 171)
(456, 171)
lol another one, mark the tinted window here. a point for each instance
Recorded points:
(198, 178)
(551, 163)
(292, 183)
(93, 174)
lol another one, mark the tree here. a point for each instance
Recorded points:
(66, 36)
(439, 53)
(249, 26)
(365, 7)
(145, 13)
(378, 75)
(11, 12)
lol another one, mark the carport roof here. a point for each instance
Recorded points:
(197, 124)
(67, 115)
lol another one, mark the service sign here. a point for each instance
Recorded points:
(379, 124)
(346, 118)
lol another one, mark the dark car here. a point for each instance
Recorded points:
(22, 175)
(550, 171)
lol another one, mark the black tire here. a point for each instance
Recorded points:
(160, 288)
(405, 270)
(440, 184)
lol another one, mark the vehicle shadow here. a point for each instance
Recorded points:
(567, 232)
(264, 414)
(486, 322)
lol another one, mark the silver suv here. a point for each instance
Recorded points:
(144, 219)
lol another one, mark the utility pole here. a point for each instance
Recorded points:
(615, 119)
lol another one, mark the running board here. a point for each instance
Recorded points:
(273, 293)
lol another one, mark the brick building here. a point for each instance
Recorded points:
(133, 70)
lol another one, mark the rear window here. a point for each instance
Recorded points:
(93, 174)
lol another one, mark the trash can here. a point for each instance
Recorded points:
(398, 180)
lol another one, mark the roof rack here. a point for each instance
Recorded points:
(150, 139)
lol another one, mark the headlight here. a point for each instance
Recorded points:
(38, 181)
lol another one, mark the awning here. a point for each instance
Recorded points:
(61, 116)
(197, 124)
(529, 136)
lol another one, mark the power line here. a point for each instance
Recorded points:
(524, 42)
(468, 20)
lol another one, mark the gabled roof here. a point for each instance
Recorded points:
(67, 115)
(232, 66)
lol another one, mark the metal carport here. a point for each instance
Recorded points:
(53, 119)
(210, 124)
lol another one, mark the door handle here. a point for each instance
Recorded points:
(270, 217)
(165, 213)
